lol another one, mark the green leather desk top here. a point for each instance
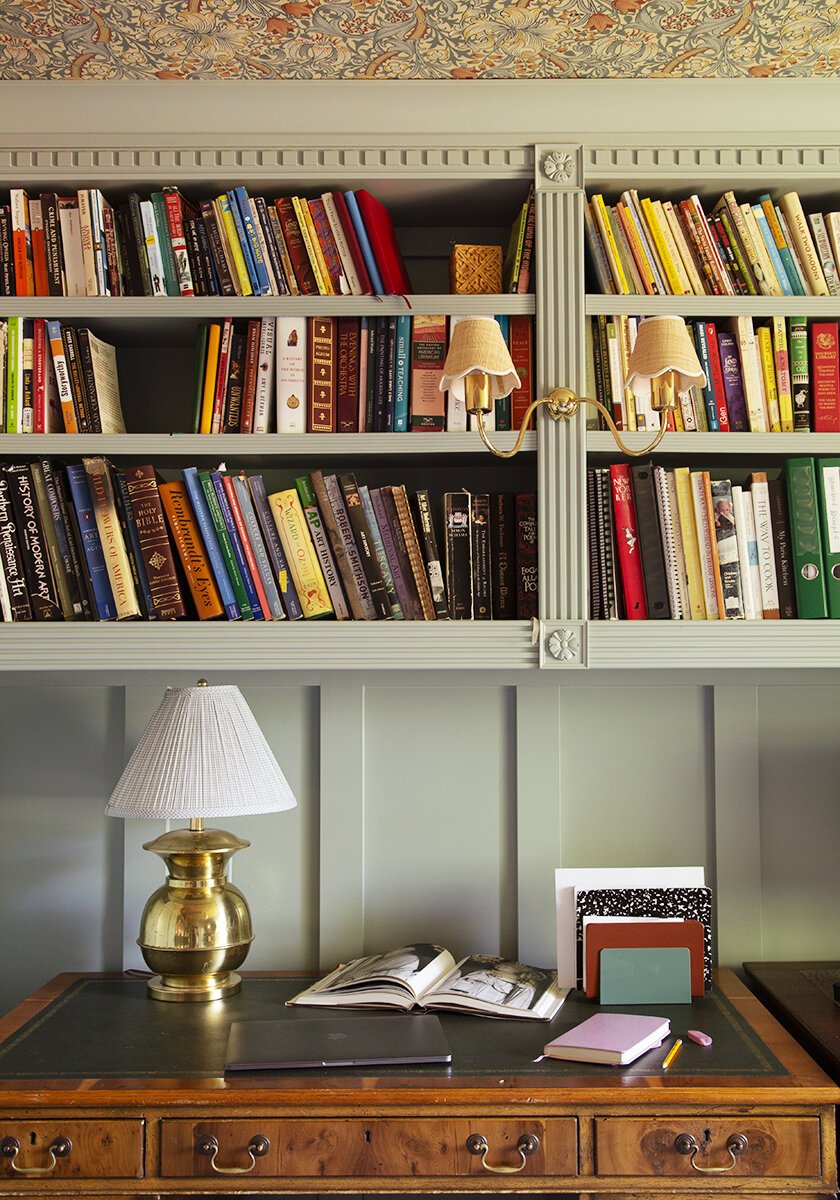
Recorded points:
(110, 1028)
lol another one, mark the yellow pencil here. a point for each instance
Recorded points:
(672, 1054)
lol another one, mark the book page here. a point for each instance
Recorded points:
(378, 977)
(498, 987)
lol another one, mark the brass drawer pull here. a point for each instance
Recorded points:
(687, 1143)
(59, 1148)
(477, 1143)
(209, 1147)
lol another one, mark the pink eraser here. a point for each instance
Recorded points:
(702, 1039)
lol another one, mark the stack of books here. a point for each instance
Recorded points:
(231, 244)
(779, 375)
(647, 247)
(691, 545)
(95, 542)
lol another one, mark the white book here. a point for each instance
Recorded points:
(290, 369)
(273, 286)
(147, 216)
(71, 246)
(667, 524)
(679, 548)
(764, 545)
(86, 231)
(705, 533)
(824, 252)
(794, 252)
(742, 327)
(729, 566)
(616, 369)
(747, 553)
(100, 257)
(264, 397)
(456, 409)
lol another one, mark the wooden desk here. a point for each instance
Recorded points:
(84, 1061)
(800, 995)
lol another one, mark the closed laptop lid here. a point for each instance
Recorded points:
(336, 1041)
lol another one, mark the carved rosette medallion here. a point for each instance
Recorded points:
(564, 645)
(558, 166)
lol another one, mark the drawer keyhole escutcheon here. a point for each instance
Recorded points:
(477, 1144)
(60, 1147)
(208, 1146)
(736, 1144)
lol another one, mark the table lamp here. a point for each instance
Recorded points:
(479, 370)
(202, 754)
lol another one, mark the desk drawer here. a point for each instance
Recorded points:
(377, 1148)
(691, 1146)
(71, 1149)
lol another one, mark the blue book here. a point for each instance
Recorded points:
(709, 398)
(275, 548)
(772, 250)
(766, 201)
(364, 242)
(263, 287)
(236, 542)
(402, 367)
(258, 547)
(77, 480)
(211, 544)
(244, 242)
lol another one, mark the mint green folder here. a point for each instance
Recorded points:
(650, 975)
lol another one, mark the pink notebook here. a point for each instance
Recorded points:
(610, 1037)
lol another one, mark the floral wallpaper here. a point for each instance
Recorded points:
(417, 39)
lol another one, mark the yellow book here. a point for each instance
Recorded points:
(691, 547)
(599, 211)
(791, 206)
(313, 246)
(686, 287)
(622, 328)
(111, 537)
(211, 362)
(687, 257)
(673, 279)
(235, 248)
(706, 542)
(781, 357)
(304, 567)
(768, 371)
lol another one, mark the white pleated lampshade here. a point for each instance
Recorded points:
(201, 755)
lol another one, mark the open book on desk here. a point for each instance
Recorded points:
(427, 976)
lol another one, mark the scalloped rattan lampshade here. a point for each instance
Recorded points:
(663, 344)
(201, 755)
(478, 346)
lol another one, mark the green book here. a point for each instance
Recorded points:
(645, 975)
(14, 375)
(800, 378)
(828, 498)
(806, 540)
(164, 237)
(226, 546)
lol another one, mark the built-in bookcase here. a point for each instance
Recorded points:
(438, 194)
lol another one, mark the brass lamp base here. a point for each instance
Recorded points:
(196, 929)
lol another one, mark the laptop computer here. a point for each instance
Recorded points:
(336, 1041)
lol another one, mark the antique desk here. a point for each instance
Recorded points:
(106, 1093)
(800, 994)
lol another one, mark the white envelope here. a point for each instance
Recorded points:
(568, 880)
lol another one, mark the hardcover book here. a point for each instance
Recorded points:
(806, 539)
(427, 976)
(527, 562)
(291, 359)
(156, 549)
(828, 495)
(34, 552)
(457, 511)
(16, 600)
(187, 542)
(609, 1037)
(627, 541)
(111, 538)
(322, 333)
(383, 242)
(825, 376)
(306, 572)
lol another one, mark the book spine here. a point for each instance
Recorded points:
(822, 246)
(352, 282)
(371, 265)
(279, 240)
(250, 367)
(379, 550)
(77, 479)
(177, 234)
(274, 547)
(458, 554)
(691, 544)
(21, 242)
(828, 496)
(296, 246)
(11, 560)
(232, 419)
(650, 544)
(791, 206)
(269, 241)
(131, 537)
(781, 361)
(243, 548)
(415, 554)
(322, 362)
(243, 219)
(187, 542)
(225, 543)
(747, 553)
(264, 387)
(329, 496)
(431, 554)
(70, 565)
(707, 545)
(627, 539)
(825, 376)
(328, 250)
(482, 596)
(365, 546)
(303, 563)
(236, 248)
(347, 375)
(399, 566)
(291, 360)
(212, 541)
(157, 278)
(240, 558)
(503, 555)
(764, 541)
(726, 539)
(156, 550)
(276, 283)
(163, 240)
(111, 538)
(800, 375)
(320, 541)
(401, 373)
(764, 339)
(806, 540)
(312, 246)
(220, 382)
(259, 549)
(56, 586)
(217, 249)
(527, 564)
(780, 520)
(88, 373)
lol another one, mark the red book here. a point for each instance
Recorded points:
(347, 375)
(39, 249)
(627, 540)
(249, 380)
(825, 377)
(296, 246)
(522, 353)
(22, 243)
(353, 242)
(608, 935)
(322, 373)
(383, 242)
(222, 370)
(717, 376)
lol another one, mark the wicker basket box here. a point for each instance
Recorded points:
(475, 270)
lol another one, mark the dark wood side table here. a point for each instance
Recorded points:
(105, 1093)
(801, 996)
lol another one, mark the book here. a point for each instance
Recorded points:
(800, 373)
(291, 368)
(383, 243)
(209, 521)
(627, 540)
(782, 549)
(601, 934)
(110, 535)
(364, 545)
(34, 551)
(806, 539)
(650, 542)
(791, 206)
(527, 563)
(231, 534)
(726, 538)
(322, 350)
(828, 496)
(158, 557)
(431, 555)
(17, 606)
(428, 976)
(610, 1037)
(457, 543)
(378, 542)
(274, 548)
(825, 377)
(370, 261)
(321, 543)
(91, 545)
(306, 573)
(764, 541)
(187, 542)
